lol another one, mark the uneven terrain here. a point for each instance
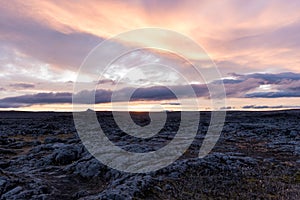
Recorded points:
(256, 157)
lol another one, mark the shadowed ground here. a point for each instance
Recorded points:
(257, 156)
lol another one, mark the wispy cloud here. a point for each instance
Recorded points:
(268, 107)
(281, 85)
(241, 87)
(155, 93)
(41, 42)
(273, 94)
(22, 85)
(106, 81)
(40, 98)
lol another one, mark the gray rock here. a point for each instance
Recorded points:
(67, 154)
(168, 187)
(79, 194)
(44, 161)
(2, 182)
(297, 150)
(7, 151)
(42, 148)
(10, 194)
(89, 169)
(49, 140)
(5, 140)
(293, 133)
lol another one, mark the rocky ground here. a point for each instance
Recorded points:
(256, 157)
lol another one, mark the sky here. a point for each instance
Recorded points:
(254, 44)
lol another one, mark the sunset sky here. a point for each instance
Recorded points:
(255, 45)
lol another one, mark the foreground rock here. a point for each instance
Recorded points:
(257, 157)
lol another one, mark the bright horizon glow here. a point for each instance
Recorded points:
(145, 106)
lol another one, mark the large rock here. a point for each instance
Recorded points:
(90, 168)
(67, 154)
(10, 194)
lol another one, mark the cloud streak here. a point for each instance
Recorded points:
(39, 98)
(245, 86)
(22, 85)
(269, 107)
(154, 93)
(241, 87)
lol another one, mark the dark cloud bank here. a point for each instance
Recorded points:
(268, 107)
(286, 85)
(22, 85)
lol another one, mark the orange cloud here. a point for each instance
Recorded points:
(225, 28)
